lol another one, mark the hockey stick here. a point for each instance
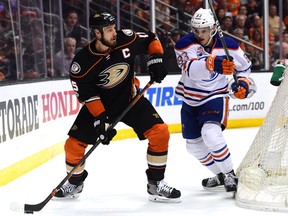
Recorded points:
(29, 209)
(220, 33)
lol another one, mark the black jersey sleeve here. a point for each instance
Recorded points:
(139, 41)
(83, 80)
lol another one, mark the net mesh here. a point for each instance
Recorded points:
(263, 173)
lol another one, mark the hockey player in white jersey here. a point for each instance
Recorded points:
(203, 87)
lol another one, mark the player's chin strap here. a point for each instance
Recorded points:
(37, 207)
(252, 88)
(213, 32)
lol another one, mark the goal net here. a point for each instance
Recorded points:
(263, 173)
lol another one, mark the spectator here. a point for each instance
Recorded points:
(34, 64)
(189, 8)
(166, 26)
(169, 56)
(286, 21)
(253, 8)
(185, 15)
(63, 61)
(196, 4)
(271, 46)
(256, 24)
(163, 18)
(34, 54)
(277, 47)
(231, 6)
(144, 4)
(239, 33)
(134, 16)
(5, 35)
(285, 14)
(77, 6)
(284, 51)
(72, 28)
(31, 25)
(254, 55)
(220, 12)
(4, 66)
(162, 11)
(274, 21)
(243, 11)
(240, 21)
(8, 56)
(227, 24)
(179, 3)
(285, 36)
(257, 38)
(140, 16)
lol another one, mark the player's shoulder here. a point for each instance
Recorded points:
(82, 61)
(84, 53)
(185, 41)
(125, 36)
(230, 42)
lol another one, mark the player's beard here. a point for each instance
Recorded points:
(107, 43)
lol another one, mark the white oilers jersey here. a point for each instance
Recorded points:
(197, 85)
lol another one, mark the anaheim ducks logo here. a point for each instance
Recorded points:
(114, 75)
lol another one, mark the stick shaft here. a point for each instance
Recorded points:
(37, 207)
(220, 33)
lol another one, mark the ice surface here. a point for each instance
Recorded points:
(116, 184)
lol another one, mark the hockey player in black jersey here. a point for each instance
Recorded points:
(102, 76)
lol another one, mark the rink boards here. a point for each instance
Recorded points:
(35, 118)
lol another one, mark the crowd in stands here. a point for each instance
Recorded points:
(29, 49)
(32, 44)
(244, 20)
(241, 18)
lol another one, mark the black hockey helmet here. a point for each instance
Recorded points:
(100, 20)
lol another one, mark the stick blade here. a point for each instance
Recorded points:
(29, 209)
(17, 207)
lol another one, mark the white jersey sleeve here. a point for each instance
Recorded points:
(188, 60)
(197, 85)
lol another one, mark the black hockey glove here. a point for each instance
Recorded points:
(101, 125)
(156, 67)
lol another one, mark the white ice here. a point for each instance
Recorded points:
(116, 184)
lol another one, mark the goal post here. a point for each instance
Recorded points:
(263, 172)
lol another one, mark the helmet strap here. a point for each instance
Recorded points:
(212, 34)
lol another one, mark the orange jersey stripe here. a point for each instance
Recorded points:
(95, 107)
(155, 47)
